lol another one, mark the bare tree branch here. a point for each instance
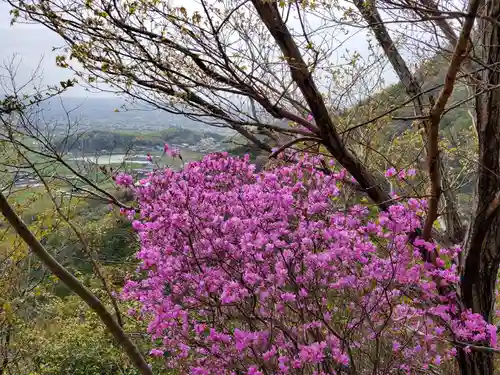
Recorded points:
(433, 158)
(268, 12)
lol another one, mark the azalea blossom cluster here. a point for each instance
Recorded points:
(272, 273)
(401, 174)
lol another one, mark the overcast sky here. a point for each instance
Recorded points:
(33, 46)
(32, 43)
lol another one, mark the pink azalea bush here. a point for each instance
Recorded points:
(271, 273)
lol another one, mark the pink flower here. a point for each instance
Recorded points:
(221, 244)
(173, 152)
(310, 117)
(439, 331)
(124, 179)
(165, 148)
(396, 346)
(156, 352)
(313, 353)
(253, 370)
(199, 371)
(492, 333)
(149, 158)
(267, 356)
(288, 297)
(137, 225)
(282, 364)
(390, 172)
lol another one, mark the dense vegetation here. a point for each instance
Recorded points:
(45, 329)
(119, 141)
(252, 273)
(362, 249)
(48, 316)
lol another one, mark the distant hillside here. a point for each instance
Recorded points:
(96, 141)
(431, 75)
(393, 140)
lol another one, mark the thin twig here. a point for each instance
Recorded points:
(291, 143)
(436, 112)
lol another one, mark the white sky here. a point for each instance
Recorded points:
(33, 46)
(32, 43)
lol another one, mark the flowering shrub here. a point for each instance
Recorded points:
(123, 179)
(270, 273)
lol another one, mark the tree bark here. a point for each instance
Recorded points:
(481, 257)
(5, 361)
(270, 16)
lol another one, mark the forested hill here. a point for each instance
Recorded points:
(119, 141)
(431, 76)
(387, 133)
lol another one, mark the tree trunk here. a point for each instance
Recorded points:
(478, 293)
(75, 286)
(299, 71)
(481, 256)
